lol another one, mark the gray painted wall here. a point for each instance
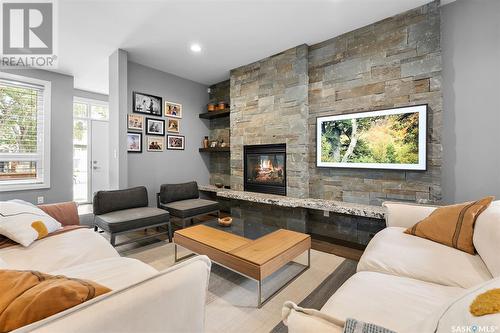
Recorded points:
(61, 161)
(90, 94)
(155, 168)
(471, 70)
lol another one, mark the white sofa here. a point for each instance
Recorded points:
(142, 299)
(409, 284)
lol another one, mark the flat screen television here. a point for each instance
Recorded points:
(384, 139)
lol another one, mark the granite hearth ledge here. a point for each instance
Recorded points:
(333, 206)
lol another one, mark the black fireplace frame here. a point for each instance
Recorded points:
(279, 148)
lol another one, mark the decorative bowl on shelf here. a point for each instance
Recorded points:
(225, 221)
(219, 185)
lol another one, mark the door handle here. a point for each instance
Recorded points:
(95, 167)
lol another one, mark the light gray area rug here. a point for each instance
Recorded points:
(232, 298)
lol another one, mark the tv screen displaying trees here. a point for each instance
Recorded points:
(385, 139)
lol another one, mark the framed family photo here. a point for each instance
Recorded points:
(134, 142)
(135, 122)
(156, 143)
(173, 110)
(155, 126)
(147, 104)
(173, 125)
(175, 142)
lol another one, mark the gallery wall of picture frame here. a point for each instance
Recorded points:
(148, 116)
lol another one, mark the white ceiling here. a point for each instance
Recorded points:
(231, 32)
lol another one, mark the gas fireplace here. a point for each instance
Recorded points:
(265, 168)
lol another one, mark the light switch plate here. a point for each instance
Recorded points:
(40, 200)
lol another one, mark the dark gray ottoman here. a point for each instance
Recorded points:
(121, 211)
(182, 201)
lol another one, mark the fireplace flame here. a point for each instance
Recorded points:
(266, 164)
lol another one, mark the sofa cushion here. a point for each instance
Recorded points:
(393, 302)
(190, 207)
(393, 252)
(487, 237)
(452, 225)
(114, 273)
(56, 252)
(404, 214)
(110, 201)
(129, 219)
(173, 300)
(177, 192)
(457, 314)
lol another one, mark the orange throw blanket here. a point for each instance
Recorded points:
(30, 296)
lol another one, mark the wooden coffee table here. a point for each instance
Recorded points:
(253, 258)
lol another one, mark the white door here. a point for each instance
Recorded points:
(99, 162)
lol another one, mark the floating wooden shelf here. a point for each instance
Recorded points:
(215, 114)
(214, 150)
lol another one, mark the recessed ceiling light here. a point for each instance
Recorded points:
(195, 47)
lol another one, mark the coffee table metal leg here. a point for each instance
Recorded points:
(259, 294)
(261, 302)
(308, 258)
(177, 259)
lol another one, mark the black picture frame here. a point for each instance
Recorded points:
(183, 139)
(157, 107)
(140, 142)
(148, 132)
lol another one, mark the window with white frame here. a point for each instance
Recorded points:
(24, 133)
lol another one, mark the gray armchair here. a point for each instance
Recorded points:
(121, 211)
(183, 201)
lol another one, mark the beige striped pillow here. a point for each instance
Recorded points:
(452, 225)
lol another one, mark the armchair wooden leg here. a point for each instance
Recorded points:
(95, 228)
(169, 226)
(112, 239)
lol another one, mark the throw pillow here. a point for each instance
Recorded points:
(64, 212)
(452, 225)
(30, 296)
(486, 303)
(25, 223)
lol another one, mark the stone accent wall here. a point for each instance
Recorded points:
(219, 92)
(269, 105)
(394, 62)
(219, 129)
(391, 63)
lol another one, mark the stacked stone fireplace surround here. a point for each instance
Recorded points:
(391, 63)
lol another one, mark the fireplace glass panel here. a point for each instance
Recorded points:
(266, 169)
